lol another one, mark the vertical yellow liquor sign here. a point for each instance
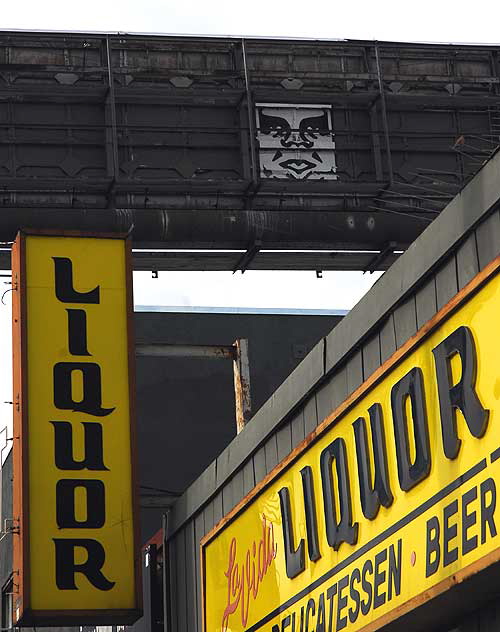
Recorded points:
(76, 554)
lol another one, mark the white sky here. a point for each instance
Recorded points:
(399, 20)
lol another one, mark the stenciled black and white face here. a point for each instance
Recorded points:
(296, 142)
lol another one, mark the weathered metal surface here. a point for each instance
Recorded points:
(158, 134)
(157, 501)
(186, 351)
(238, 353)
(241, 371)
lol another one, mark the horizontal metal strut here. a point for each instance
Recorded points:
(186, 351)
(237, 352)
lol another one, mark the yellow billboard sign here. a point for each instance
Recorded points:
(390, 502)
(76, 550)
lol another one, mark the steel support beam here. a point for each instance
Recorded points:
(384, 118)
(237, 352)
(157, 501)
(241, 368)
(214, 352)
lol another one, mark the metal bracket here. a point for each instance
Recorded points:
(241, 368)
(9, 526)
(247, 258)
(386, 250)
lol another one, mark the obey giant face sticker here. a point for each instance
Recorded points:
(296, 142)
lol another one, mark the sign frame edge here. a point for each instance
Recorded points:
(28, 616)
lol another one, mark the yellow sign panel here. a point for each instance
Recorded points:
(393, 497)
(77, 547)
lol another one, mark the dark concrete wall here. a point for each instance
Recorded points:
(185, 407)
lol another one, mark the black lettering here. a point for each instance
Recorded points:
(449, 533)
(65, 504)
(302, 619)
(343, 531)
(372, 496)
(294, 557)
(77, 332)
(342, 603)
(394, 576)
(432, 547)
(276, 628)
(93, 459)
(301, 629)
(412, 386)
(65, 291)
(488, 510)
(285, 623)
(378, 579)
(468, 520)
(354, 592)
(63, 391)
(66, 567)
(461, 396)
(310, 508)
(311, 607)
(320, 619)
(330, 594)
(367, 587)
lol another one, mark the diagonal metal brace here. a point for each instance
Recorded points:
(247, 258)
(241, 368)
(386, 250)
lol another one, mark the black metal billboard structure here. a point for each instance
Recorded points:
(222, 153)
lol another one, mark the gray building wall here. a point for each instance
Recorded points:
(186, 407)
(458, 244)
